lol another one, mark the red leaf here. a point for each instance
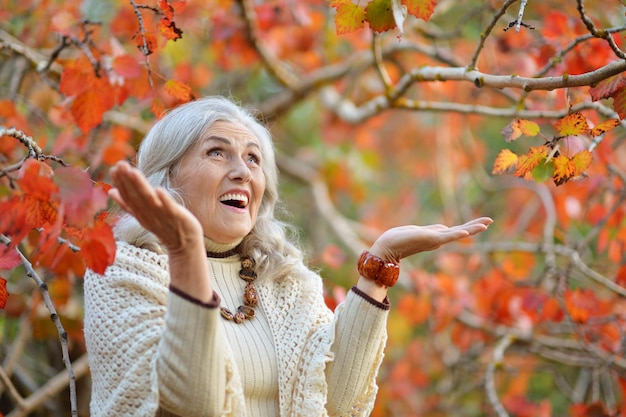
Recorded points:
(4, 294)
(580, 304)
(98, 248)
(9, 259)
(35, 180)
(167, 9)
(619, 102)
(606, 88)
(80, 198)
(126, 66)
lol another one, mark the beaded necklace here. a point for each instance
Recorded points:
(250, 297)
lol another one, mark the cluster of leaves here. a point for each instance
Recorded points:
(552, 159)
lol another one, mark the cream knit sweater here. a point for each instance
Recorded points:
(155, 352)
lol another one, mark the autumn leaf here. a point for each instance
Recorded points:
(167, 9)
(505, 161)
(580, 304)
(9, 259)
(529, 161)
(422, 9)
(169, 30)
(608, 87)
(80, 198)
(519, 127)
(147, 43)
(88, 109)
(566, 168)
(379, 15)
(333, 256)
(179, 90)
(619, 103)
(98, 248)
(126, 66)
(572, 125)
(349, 17)
(4, 294)
(604, 127)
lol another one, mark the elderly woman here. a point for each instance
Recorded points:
(208, 309)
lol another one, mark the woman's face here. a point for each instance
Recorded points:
(221, 179)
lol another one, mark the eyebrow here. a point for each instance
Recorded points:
(229, 142)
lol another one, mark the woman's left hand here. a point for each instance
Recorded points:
(403, 241)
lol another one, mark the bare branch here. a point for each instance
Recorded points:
(30, 272)
(490, 384)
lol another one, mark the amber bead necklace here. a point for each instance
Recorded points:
(250, 297)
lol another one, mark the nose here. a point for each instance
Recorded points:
(240, 170)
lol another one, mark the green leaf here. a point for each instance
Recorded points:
(379, 14)
(543, 172)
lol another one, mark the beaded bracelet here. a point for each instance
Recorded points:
(378, 270)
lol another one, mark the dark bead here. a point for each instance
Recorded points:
(247, 274)
(247, 262)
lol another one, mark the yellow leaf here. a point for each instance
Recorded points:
(572, 125)
(534, 157)
(505, 160)
(349, 18)
(563, 168)
(519, 127)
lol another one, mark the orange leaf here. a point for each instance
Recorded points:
(169, 30)
(349, 17)
(179, 90)
(167, 9)
(528, 162)
(147, 43)
(519, 127)
(4, 294)
(604, 127)
(416, 308)
(580, 304)
(422, 9)
(99, 247)
(88, 109)
(572, 125)
(35, 180)
(505, 160)
(333, 256)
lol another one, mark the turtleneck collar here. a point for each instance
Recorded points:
(214, 248)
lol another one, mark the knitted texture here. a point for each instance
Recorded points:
(126, 329)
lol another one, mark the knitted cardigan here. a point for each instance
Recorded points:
(125, 320)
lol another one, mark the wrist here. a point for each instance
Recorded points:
(378, 270)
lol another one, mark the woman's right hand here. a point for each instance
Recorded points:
(175, 226)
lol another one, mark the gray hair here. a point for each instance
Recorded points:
(161, 152)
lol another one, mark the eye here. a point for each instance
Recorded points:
(254, 158)
(215, 152)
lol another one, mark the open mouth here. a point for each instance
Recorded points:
(235, 200)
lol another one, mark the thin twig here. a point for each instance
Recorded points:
(30, 272)
(490, 384)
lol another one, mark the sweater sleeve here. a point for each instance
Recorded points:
(360, 337)
(149, 347)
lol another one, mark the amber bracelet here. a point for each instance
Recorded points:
(378, 270)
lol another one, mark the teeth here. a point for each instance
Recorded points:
(236, 197)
